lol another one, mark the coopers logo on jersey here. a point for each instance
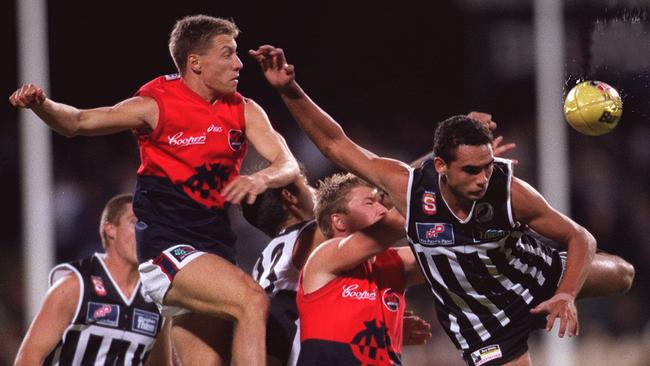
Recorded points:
(179, 139)
(145, 322)
(435, 233)
(104, 314)
(350, 291)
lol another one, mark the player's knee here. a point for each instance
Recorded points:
(256, 304)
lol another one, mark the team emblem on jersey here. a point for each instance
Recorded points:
(98, 284)
(486, 354)
(391, 300)
(369, 346)
(145, 322)
(429, 203)
(104, 314)
(484, 212)
(435, 233)
(181, 252)
(235, 139)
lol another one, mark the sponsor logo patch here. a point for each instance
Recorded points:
(391, 300)
(429, 203)
(104, 314)
(435, 233)
(170, 77)
(181, 252)
(145, 322)
(235, 139)
(490, 235)
(486, 354)
(98, 284)
(350, 291)
(179, 139)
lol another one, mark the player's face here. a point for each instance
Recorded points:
(364, 208)
(468, 176)
(125, 235)
(220, 65)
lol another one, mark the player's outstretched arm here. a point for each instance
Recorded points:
(47, 328)
(70, 121)
(389, 175)
(532, 209)
(272, 147)
(339, 255)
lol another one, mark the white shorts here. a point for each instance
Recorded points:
(157, 275)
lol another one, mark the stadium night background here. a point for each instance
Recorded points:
(388, 73)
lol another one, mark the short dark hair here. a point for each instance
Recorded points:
(194, 33)
(458, 130)
(268, 212)
(112, 212)
(331, 198)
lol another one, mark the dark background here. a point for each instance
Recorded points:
(387, 73)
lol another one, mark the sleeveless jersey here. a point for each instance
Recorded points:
(108, 328)
(355, 319)
(195, 150)
(484, 271)
(275, 272)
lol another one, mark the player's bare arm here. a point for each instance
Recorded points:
(272, 147)
(532, 209)
(69, 121)
(388, 174)
(412, 271)
(47, 328)
(339, 255)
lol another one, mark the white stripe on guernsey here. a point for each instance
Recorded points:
(109, 334)
(102, 352)
(460, 303)
(505, 282)
(508, 187)
(533, 271)
(449, 251)
(454, 328)
(535, 251)
(470, 291)
(408, 201)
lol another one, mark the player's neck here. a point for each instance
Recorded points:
(198, 86)
(459, 206)
(125, 274)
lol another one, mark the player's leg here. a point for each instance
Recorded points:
(609, 275)
(211, 285)
(202, 339)
(523, 360)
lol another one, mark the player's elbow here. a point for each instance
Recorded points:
(625, 272)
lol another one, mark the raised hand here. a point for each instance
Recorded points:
(244, 187)
(561, 305)
(27, 96)
(274, 64)
(486, 119)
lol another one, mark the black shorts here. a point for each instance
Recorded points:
(510, 343)
(282, 326)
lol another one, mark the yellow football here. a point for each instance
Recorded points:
(593, 108)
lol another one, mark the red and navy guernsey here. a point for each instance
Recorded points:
(195, 150)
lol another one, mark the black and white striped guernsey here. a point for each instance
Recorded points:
(108, 328)
(274, 270)
(485, 271)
